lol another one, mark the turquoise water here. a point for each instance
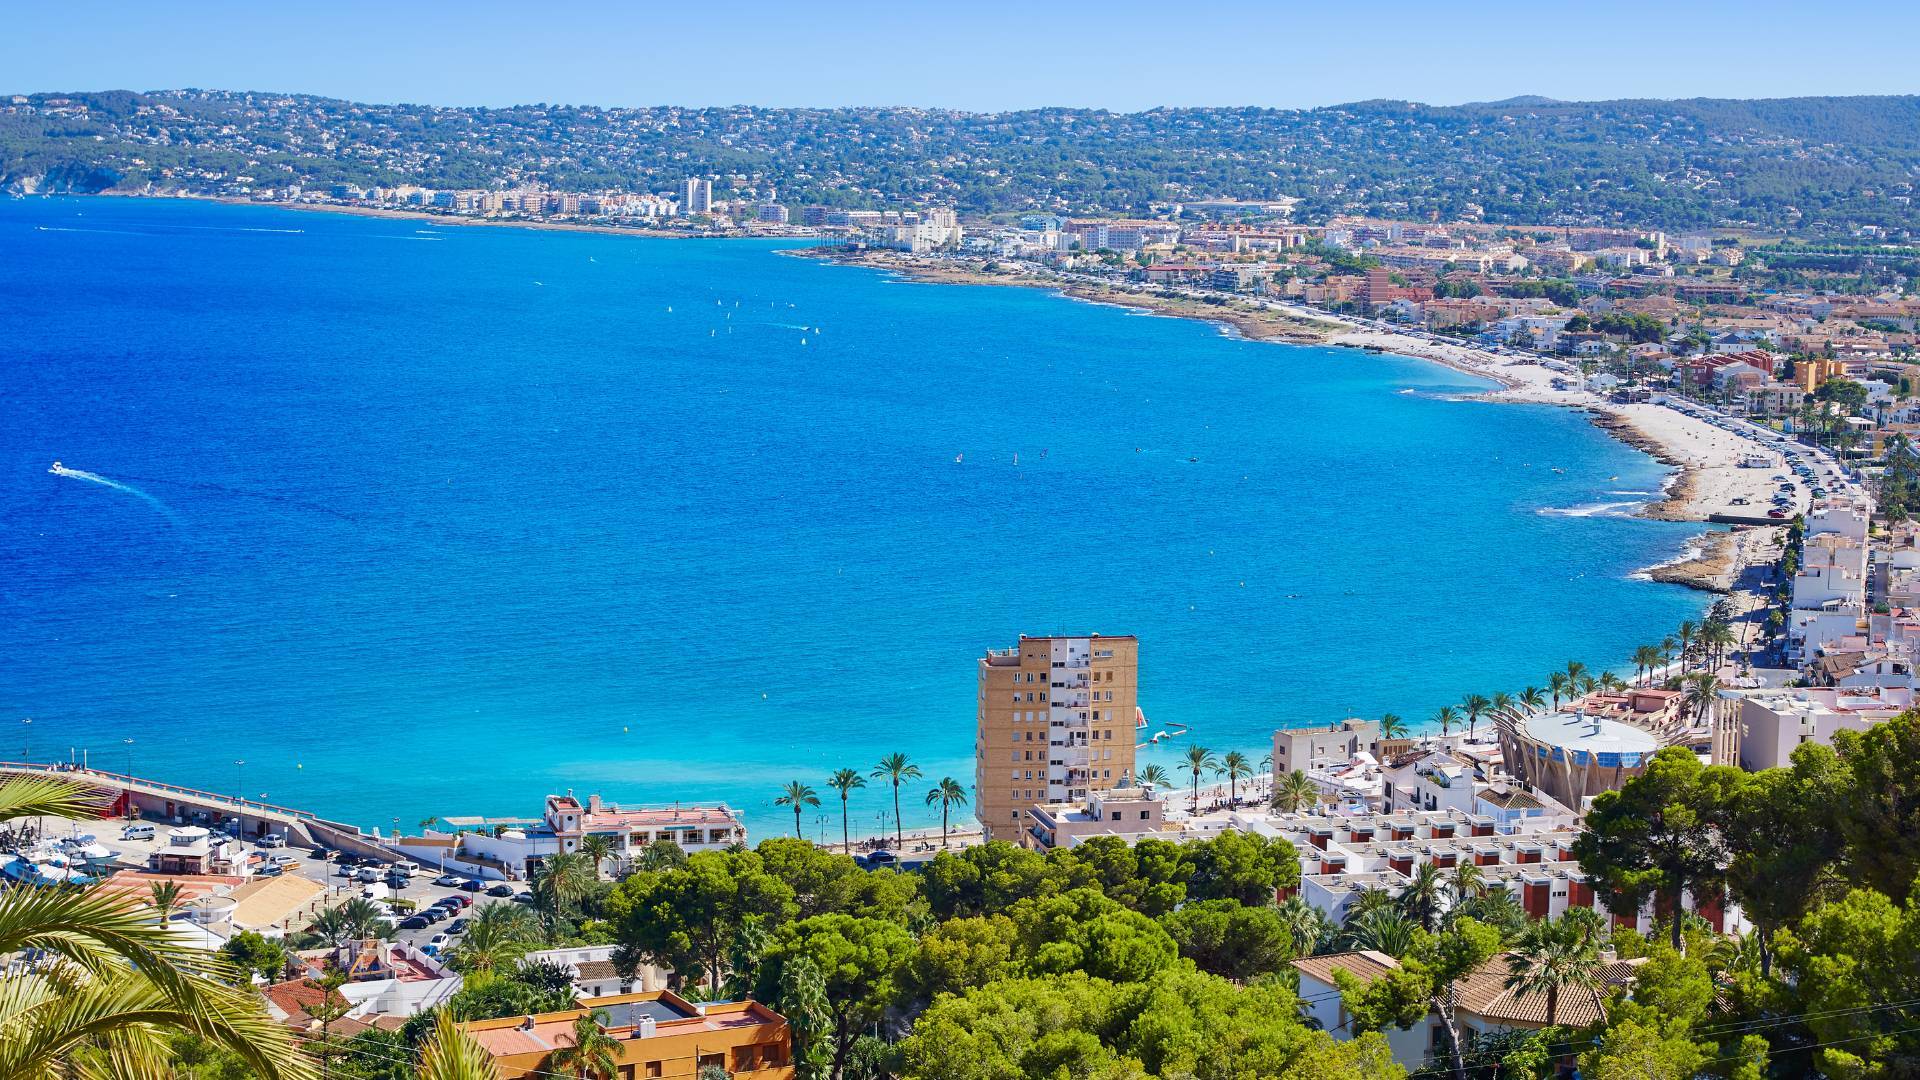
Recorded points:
(429, 520)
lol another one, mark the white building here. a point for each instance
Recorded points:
(1768, 725)
(697, 195)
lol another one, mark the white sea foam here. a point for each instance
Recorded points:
(1605, 509)
(96, 478)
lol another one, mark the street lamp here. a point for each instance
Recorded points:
(239, 784)
(129, 742)
(26, 738)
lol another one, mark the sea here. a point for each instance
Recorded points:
(388, 519)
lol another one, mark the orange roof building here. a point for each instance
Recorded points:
(661, 1035)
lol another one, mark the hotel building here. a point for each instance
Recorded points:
(1056, 722)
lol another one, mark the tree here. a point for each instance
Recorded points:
(1446, 718)
(558, 881)
(947, 794)
(1533, 699)
(896, 769)
(497, 936)
(1660, 834)
(1423, 896)
(1646, 659)
(798, 796)
(859, 961)
(452, 1054)
(1242, 866)
(1632, 1051)
(1783, 832)
(1880, 813)
(1199, 759)
(685, 918)
(1392, 727)
(590, 1052)
(1558, 684)
(1155, 777)
(128, 985)
(1295, 792)
(1553, 958)
(252, 954)
(598, 848)
(960, 954)
(1474, 706)
(165, 896)
(1235, 766)
(1382, 930)
(1423, 984)
(845, 781)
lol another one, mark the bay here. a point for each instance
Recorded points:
(416, 519)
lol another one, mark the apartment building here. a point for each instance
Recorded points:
(657, 1034)
(1056, 721)
(697, 195)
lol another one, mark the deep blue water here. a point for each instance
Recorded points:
(435, 520)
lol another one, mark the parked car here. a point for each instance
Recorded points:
(430, 950)
(284, 861)
(1776, 513)
(440, 941)
(414, 922)
(523, 897)
(323, 854)
(472, 885)
(273, 840)
(452, 903)
(367, 875)
(345, 871)
(270, 870)
(457, 927)
(447, 881)
(502, 889)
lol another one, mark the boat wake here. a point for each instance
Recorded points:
(1605, 509)
(95, 478)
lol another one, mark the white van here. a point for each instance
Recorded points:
(407, 868)
(137, 832)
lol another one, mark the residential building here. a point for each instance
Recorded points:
(771, 214)
(193, 849)
(1056, 722)
(1127, 812)
(1767, 726)
(697, 195)
(1318, 747)
(1427, 779)
(659, 1035)
(593, 970)
(522, 842)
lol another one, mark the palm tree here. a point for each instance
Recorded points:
(1588, 684)
(1717, 637)
(452, 1054)
(1646, 658)
(1383, 930)
(1502, 704)
(1446, 718)
(1551, 958)
(1312, 932)
(166, 897)
(1154, 776)
(844, 781)
(128, 983)
(1670, 649)
(895, 768)
(558, 881)
(1557, 684)
(1686, 634)
(1199, 759)
(497, 936)
(1392, 727)
(1474, 706)
(799, 796)
(1533, 699)
(1295, 792)
(598, 848)
(1466, 882)
(1237, 768)
(360, 918)
(1575, 669)
(949, 794)
(1420, 899)
(591, 1052)
(1702, 688)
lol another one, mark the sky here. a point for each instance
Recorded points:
(983, 55)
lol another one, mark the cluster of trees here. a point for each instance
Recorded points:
(1130, 957)
(895, 770)
(1782, 164)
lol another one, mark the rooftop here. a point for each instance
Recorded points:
(1591, 734)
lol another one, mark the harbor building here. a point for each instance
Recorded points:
(1056, 722)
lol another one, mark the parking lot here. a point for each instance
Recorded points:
(344, 876)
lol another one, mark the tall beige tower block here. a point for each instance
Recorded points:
(1056, 720)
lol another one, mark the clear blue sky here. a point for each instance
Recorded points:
(1120, 54)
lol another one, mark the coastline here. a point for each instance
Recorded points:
(1707, 480)
(448, 220)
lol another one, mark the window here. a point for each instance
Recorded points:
(653, 1068)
